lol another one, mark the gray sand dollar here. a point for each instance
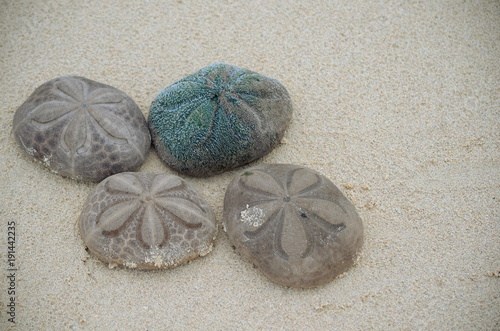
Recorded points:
(218, 118)
(82, 129)
(147, 221)
(293, 223)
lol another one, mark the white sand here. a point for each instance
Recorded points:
(397, 102)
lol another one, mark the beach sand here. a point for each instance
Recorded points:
(397, 102)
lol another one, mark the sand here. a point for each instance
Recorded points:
(397, 102)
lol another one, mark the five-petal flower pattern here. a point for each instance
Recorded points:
(82, 111)
(293, 223)
(82, 129)
(286, 199)
(130, 215)
(154, 206)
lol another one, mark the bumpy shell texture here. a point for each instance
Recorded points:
(293, 223)
(147, 221)
(218, 118)
(82, 129)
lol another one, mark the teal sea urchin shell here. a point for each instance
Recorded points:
(218, 118)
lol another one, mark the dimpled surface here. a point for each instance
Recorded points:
(82, 129)
(293, 223)
(218, 118)
(147, 221)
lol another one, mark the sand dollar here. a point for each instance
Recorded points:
(293, 223)
(147, 221)
(218, 118)
(82, 129)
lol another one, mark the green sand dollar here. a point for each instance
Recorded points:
(218, 118)
(82, 129)
(293, 223)
(147, 221)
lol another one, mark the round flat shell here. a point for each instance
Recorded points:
(82, 129)
(147, 221)
(293, 223)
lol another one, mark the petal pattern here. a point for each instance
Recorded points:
(49, 113)
(126, 185)
(75, 135)
(75, 91)
(115, 219)
(82, 129)
(152, 232)
(292, 223)
(298, 211)
(166, 183)
(182, 211)
(148, 221)
(114, 126)
(148, 205)
(104, 96)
